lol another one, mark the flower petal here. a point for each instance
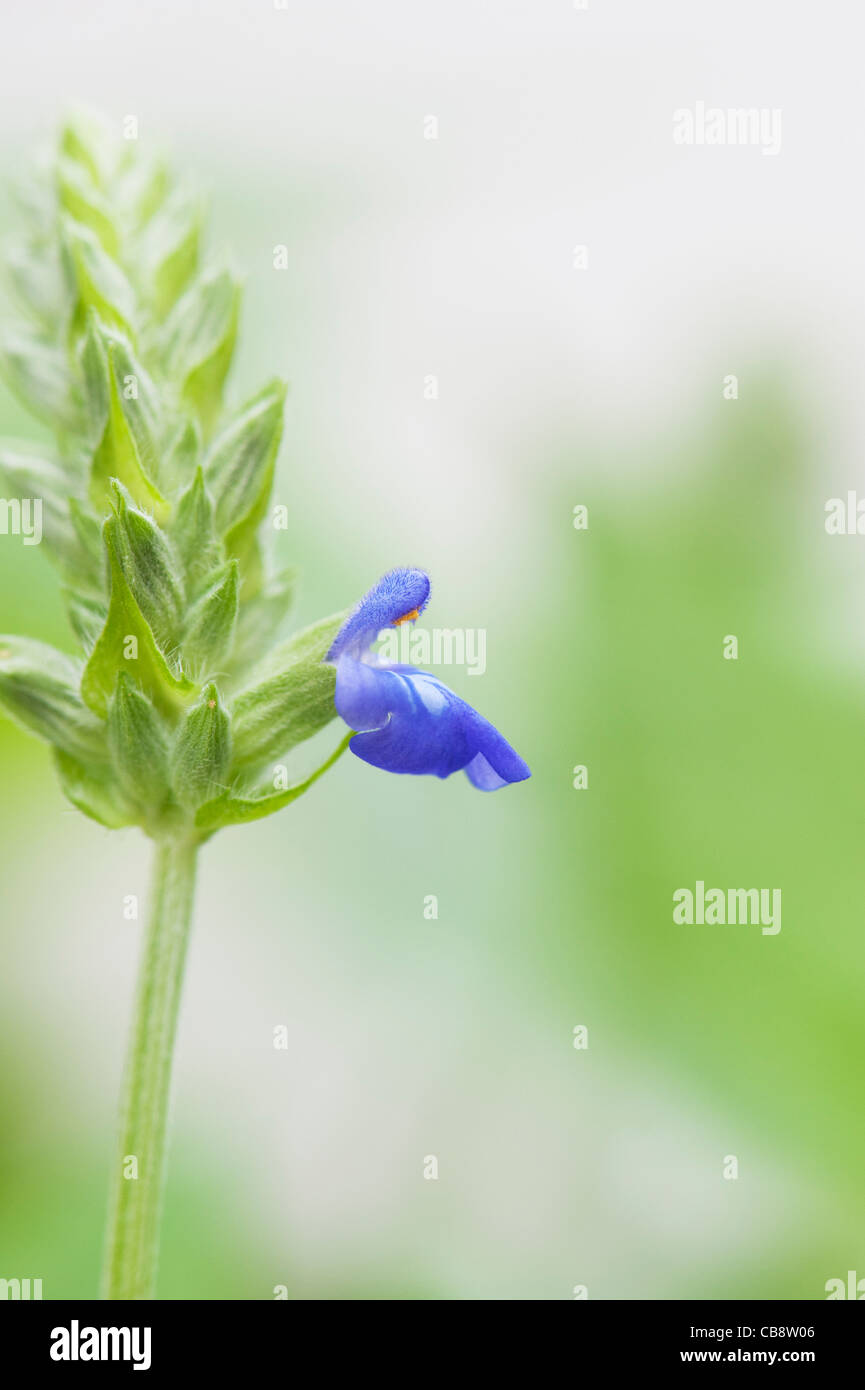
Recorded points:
(482, 775)
(363, 697)
(496, 764)
(412, 723)
(398, 594)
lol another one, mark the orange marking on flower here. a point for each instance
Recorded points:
(407, 617)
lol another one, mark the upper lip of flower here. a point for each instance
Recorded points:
(408, 720)
(399, 595)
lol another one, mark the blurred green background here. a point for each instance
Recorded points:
(408, 1037)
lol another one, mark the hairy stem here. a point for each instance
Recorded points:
(133, 1224)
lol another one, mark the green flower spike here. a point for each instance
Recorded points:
(182, 693)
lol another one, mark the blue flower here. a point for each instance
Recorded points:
(407, 720)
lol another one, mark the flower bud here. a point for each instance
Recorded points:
(291, 700)
(128, 638)
(211, 623)
(202, 752)
(169, 249)
(193, 533)
(79, 197)
(151, 569)
(199, 341)
(239, 469)
(122, 421)
(99, 283)
(139, 746)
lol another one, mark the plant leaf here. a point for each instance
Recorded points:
(92, 792)
(100, 283)
(139, 746)
(289, 699)
(193, 532)
(118, 392)
(88, 140)
(127, 637)
(237, 810)
(38, 374)
(211, 622)
(199, 341)
(150, 567)
(169, 249)
(261, 618)
(35, 274)
(240, 465)
(181, 455)
(83, 202)
(29, 475)
(86, 617)
(39, 689)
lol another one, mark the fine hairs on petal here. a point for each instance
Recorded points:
(399, 593)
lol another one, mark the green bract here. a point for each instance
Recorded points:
(183, 696)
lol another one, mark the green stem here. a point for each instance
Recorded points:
(133, 1223)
